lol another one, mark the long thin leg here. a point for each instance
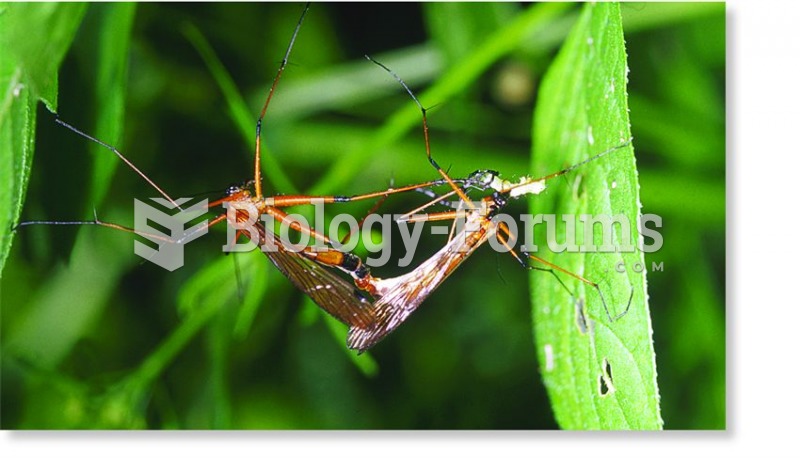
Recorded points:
(371, 211)
(293, 200)
(486, 179)
(524, 263)
(413, 214)
(214, 221)
(552, 267)
(115, 226)
(590, 283)
(502, 234)
(424, 111)
(586, 161)
(120, 156)
(257, 174)
(441, 216)
(283, 217)
(439, 200)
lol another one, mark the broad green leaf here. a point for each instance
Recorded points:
(28, 73)
(17, 133)
(600, 374)
(39, 55)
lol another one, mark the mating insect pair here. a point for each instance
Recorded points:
(339, 282)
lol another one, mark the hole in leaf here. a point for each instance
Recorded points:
(605, 380)
(585, 325)
(603, 386)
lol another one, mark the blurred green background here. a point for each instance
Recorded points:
(94, 338)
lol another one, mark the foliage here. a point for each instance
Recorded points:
(93, 338)
(28, 73)
(600, 367)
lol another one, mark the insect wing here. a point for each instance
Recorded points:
(399, 297)
(330, 292)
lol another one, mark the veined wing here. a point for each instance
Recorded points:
(332, 293)
(399, 297)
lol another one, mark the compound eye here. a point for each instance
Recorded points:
(491, 175)
(483, 178)
(232, 190)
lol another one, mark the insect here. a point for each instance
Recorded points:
(309, 269)
(399, 297)
(367, 304)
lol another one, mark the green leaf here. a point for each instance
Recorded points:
(599, 374)
(28, 73)
(39, 55)
(111, 38)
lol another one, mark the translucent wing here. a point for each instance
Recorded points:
(399, 297)
(332, 293)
